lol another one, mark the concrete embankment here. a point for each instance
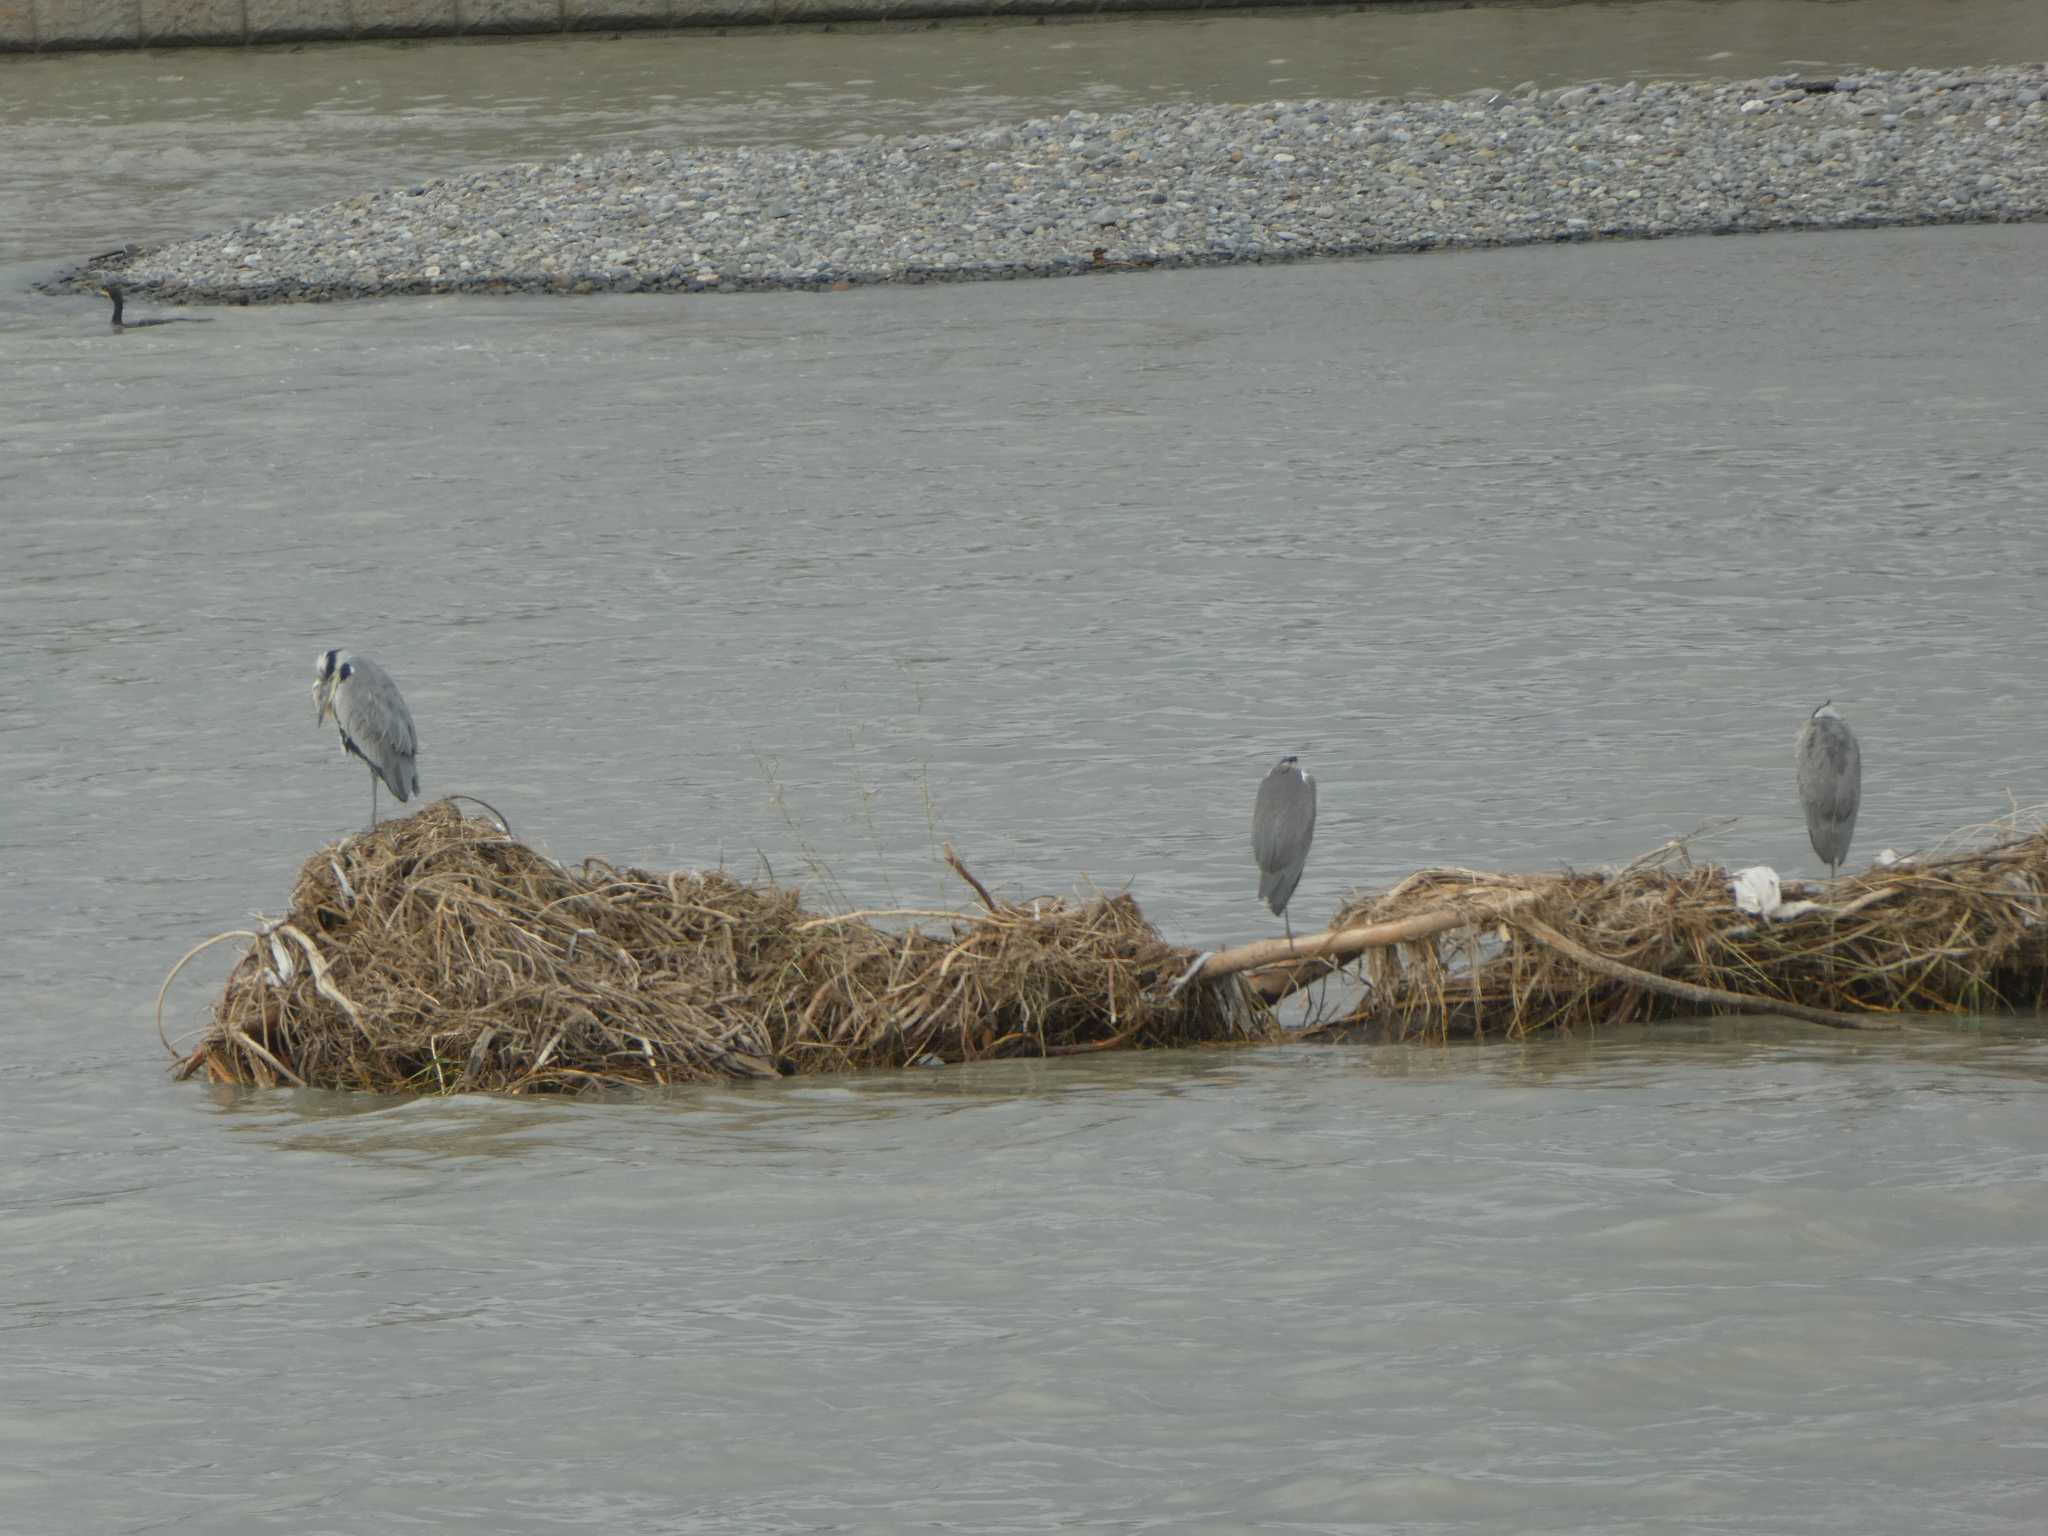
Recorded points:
(28, 26)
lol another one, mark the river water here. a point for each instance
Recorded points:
(1536, 556)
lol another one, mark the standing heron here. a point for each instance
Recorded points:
(1283, 825)
(374, 723)
(1830, 784)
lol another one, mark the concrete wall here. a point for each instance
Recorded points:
(28, 26)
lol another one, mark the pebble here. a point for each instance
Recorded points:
(1174, 185)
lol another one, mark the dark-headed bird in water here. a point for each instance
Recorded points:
(115, 292)
(1283, 825)
(375, 725)
(1830, 784)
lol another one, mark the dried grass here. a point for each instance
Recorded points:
(437, 954)
(1956, 931)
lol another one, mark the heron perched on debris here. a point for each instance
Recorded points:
(375, 725)
(1283, 825)
(1830, 784)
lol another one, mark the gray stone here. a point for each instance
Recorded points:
(815, 11)
(87, 23)
(17, 25)
(509, 15)
(707, 13)
(191, 21)
(599, 14)
(402, 18)
(287, 20)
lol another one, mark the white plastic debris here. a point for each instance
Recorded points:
(1756, 889)
(1887, 858)
(1785, 911)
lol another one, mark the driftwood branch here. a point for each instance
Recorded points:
(964, 873)
(1343, 943)
(1688, 992)
(1277, 983)
(218, 938)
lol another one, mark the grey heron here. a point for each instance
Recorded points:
(375, 725)
(1283, 825)
(1830, 784)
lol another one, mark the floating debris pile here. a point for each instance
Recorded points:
(438, 954)
(1959, 931)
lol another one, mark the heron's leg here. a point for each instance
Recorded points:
(1289, 922)
(373, 798)
(1827, 968)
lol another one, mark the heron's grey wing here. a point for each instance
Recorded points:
(1268, 811)
(379, 725)
(1830, 785)
(412, 747)
(1283, 825)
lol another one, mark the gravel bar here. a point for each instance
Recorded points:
(1166, 186)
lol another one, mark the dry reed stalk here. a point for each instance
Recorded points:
(1345, 943)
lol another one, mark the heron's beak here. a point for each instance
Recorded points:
(323, 695)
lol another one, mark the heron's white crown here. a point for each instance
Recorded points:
(1826, 712)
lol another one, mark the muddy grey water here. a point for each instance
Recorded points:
(1537, 556)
